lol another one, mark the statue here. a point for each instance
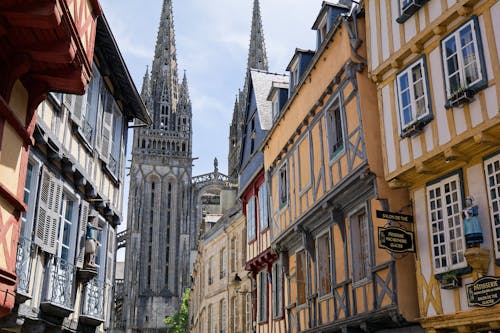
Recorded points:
(91, 241)
(472, 228)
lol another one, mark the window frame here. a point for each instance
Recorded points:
(301, 299)
(482, 81)
(446, 242)
(223, 263)
(355, 248)
(494, 202)
(417, 122)
(319, 256)
(335, 146)
(408, 11)
(263, 211)
(251, 219)
(263, 297)
(277, 290)
(281, 170)
(28, 217)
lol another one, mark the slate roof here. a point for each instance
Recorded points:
(262, 82)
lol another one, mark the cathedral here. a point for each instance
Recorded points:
(158, 231)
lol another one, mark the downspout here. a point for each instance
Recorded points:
(354, 40)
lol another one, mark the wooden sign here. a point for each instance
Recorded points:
(394, 216)
(484, 292)
(396, 239)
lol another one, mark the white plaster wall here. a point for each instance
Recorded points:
(405, 151)
(434, 9)
(495, 13)
(448, 301)
(429, 138)
(451, 3)
(439, 96)
(459, 117)
(396, 37)
(410, 28)
(384, 28)
(475, 112)
(490, 95)
(417, 147)
(486, 49)
(373, 34)
(389, 134)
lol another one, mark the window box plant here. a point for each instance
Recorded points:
(450, 280)
(461, 97)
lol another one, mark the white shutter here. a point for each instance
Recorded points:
(54, 205)
(76, 109)
(110, 252)
(42, 215)
(107, 126)
(82, 232)
(492, 174)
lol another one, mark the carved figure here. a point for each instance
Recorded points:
(91, 242)
(472, 228)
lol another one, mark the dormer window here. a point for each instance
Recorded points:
(294, 76)
(322, 31)
(275, 106)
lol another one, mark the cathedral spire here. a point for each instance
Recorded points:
(257, 57)
(184, 105)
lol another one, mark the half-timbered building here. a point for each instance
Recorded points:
(323, 163)
(43, 47)
(436, 64)
(74, 191)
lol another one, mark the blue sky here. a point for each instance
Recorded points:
(212, 39)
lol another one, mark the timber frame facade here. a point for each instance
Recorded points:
(323, 166)
(43, 47)
(436, 67)
(74, 190)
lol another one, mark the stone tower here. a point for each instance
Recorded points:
(257, 59)
(156, 267)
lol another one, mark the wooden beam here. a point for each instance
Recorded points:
(395, 183)
(59, 52)
(486, 139)
(38, 14)
(451, 154)
(423, 169)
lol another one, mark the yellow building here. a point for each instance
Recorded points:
(436, 64)
(220, 299)
(74, 192)
(42, 48)
(324, 170)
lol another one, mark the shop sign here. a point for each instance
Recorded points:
(484, 292)
(397, 217)
(396, 239)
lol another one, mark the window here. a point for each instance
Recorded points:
(90, 107)
(263, 216)
(360, 241)
(116, 143)
(222, 263)
(251, 218)
(252, 134)
(234, 254)
(462, 55)
(262, 297)
(413, 99)
(275, 106)
(222, 316)
(283, 187)
(301, 277)
(335, 133)
(210, 318)
(324, 265)
(30, 189)
(234, 307)
(408, 8)
(65, 227)
(322, 30)
(277, 285)
(248, 312)
(492, 173)
(444, 200)
(210, 271)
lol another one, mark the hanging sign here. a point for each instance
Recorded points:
(396, 239)
(484, 292)
(397, 217)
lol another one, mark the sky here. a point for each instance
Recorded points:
(212, 39)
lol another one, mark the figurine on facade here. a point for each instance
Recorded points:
(91, 241)
(472, 228)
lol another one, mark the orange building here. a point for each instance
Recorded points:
(44, 46)
(324, 170)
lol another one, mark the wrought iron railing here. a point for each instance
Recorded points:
(59, 282)
(93, 299)
(23, 265)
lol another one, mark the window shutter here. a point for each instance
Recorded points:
(54, 206)
(110, 259)
(107, 125)
(76, 109)
(43, 210)
(82, 232)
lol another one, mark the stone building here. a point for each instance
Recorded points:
(74, 190)
(159, 225)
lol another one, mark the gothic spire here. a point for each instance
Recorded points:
(257, 57)
(145, 93)
(164, 80)
(184, 99)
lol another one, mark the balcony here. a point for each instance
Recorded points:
(93, 303)
(58, 287)
(23, 268)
